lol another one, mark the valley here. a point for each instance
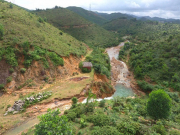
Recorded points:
(73, 71)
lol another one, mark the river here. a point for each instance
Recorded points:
(119, 74)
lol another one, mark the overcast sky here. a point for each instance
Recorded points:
(153, 8)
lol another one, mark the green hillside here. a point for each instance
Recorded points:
(89, 15)
(19, 26)
(156, 53)
(113, 16)
(78, 27)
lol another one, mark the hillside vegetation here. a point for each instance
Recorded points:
(114, 16)
(19, 26)
(88, 15)
(156, 53)
(78, 27)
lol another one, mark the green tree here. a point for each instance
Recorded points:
(174, 62)
(159, 105)
(52, 124)
(138, 72)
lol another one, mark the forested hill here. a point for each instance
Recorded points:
(113, 16)
(156, 53)
(18, 26)
(89, 15)
(78, 27)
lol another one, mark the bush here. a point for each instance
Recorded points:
(11, 5)
(22, 70)
(159, 104)
(11, 70)
(159, 129)
(174, 132)
(90, 107)
(71, 115)
(145, 86)
(85, 70)
(41, 20)
(81, 65)
(74, 100)
(1, 31)
(102, 103)
(1, 86)
(9, 79)
(100, 120)
(83, 123)
(53, 124)
(117, 101)
(56, 59)
(106, 130)
(129, 128)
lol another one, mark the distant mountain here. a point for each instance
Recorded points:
(145, 18)
(89, 15)
(114, 16)
(77, 26)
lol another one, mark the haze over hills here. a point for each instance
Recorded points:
(78, 27)
(101, 18)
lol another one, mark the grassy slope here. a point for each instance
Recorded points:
(78, 27)
(21, 26)
(89, 15)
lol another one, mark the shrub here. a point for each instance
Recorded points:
(53, 124)
(159, 104)
(129, 127)
(117, 101)
(74, 100)
(71, 115)
(9, 79)
(100, 120)
(174, 132)
(83, 123)
(159, 129)
(56, 59)
(102, 103)
(90, 107)
(11, 70)
(1, 31)
(22, 70)
(11, 5)
(85, 70)
(1, 86)
(145, 86)
(106, 130)
(41, 20)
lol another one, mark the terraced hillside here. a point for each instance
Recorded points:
(78, 27)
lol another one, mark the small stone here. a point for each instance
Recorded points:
(15, 112)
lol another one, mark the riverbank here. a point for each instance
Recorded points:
(120, 73)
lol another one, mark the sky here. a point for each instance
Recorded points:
(152, 8)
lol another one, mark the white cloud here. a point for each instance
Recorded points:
(159, 8)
